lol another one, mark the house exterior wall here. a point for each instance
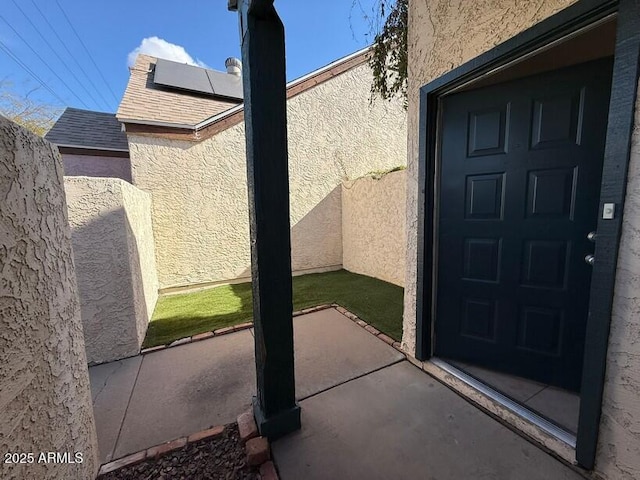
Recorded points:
(200, 206)
(115, 264)
(619, 441)
(96, 166)
(435, 30)
(45, 399)
(373, 226)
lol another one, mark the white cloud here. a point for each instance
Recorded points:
(160, 48)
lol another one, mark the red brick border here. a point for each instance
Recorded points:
(244, 326)
(369, 328)
(246, 421)
(256, 447)
(158, 451)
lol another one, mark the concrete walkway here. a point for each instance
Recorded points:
(366, 412)
(146, 400)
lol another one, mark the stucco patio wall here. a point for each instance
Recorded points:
(45, 399)
(114, 255)
(200, 206)
(373, 226)
(435, 30)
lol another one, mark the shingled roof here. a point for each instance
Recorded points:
(179, 110)
(88, 130)
(147, 102)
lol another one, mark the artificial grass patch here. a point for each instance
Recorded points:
(177, 316)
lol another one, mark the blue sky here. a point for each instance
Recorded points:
(316, 34)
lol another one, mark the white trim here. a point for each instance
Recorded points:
(155, 123)
(84, 147)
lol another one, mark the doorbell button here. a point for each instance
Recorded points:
(608, 211)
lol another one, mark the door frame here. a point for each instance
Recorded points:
(626, 68)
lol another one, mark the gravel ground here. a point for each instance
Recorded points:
(222, 457)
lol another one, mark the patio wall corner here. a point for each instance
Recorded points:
(114, 254)
(373, 226)
(45, 399)
(334, 133)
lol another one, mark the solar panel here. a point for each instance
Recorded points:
(225, 85)
(179, 75)
(197, 79)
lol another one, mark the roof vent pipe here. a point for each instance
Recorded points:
(234, 66)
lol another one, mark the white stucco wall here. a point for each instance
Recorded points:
(200, 206)
(435, 27)
(45, 399)
(115, 262)
(373, 226)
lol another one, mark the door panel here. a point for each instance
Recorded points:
(521, 164)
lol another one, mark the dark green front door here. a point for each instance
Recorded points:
(521, 165)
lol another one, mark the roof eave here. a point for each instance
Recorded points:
(85, 147)
(156, 123)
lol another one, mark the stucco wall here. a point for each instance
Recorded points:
(434, 30)
(373, 226)
(619, 441)
(45, 400)
(200, 212)
(96, 166)
(444, 34)
(115, 264)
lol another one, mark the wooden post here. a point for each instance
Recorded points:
(265, 114)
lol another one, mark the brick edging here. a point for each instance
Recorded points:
(257, 448)
(369, 328)
(267, 468)
(160, 450)
(223, 331)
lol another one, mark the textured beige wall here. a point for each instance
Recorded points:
(619, 442)
(444, 34)
(434, 27)
(45, 400)
(373, 226)
(200, 212)
(115, 264)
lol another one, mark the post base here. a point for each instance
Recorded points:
(277, 425)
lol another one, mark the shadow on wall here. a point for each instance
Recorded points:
(111, 286)
(140, 283)
(316, 246)
(316, 238)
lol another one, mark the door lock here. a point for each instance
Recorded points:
(590, 259)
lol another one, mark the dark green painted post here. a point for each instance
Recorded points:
(265, 113)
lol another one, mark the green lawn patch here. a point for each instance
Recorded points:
(177, 316)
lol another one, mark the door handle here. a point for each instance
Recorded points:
(590, 259)
(591, 236)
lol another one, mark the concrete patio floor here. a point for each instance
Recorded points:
(366, 412)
